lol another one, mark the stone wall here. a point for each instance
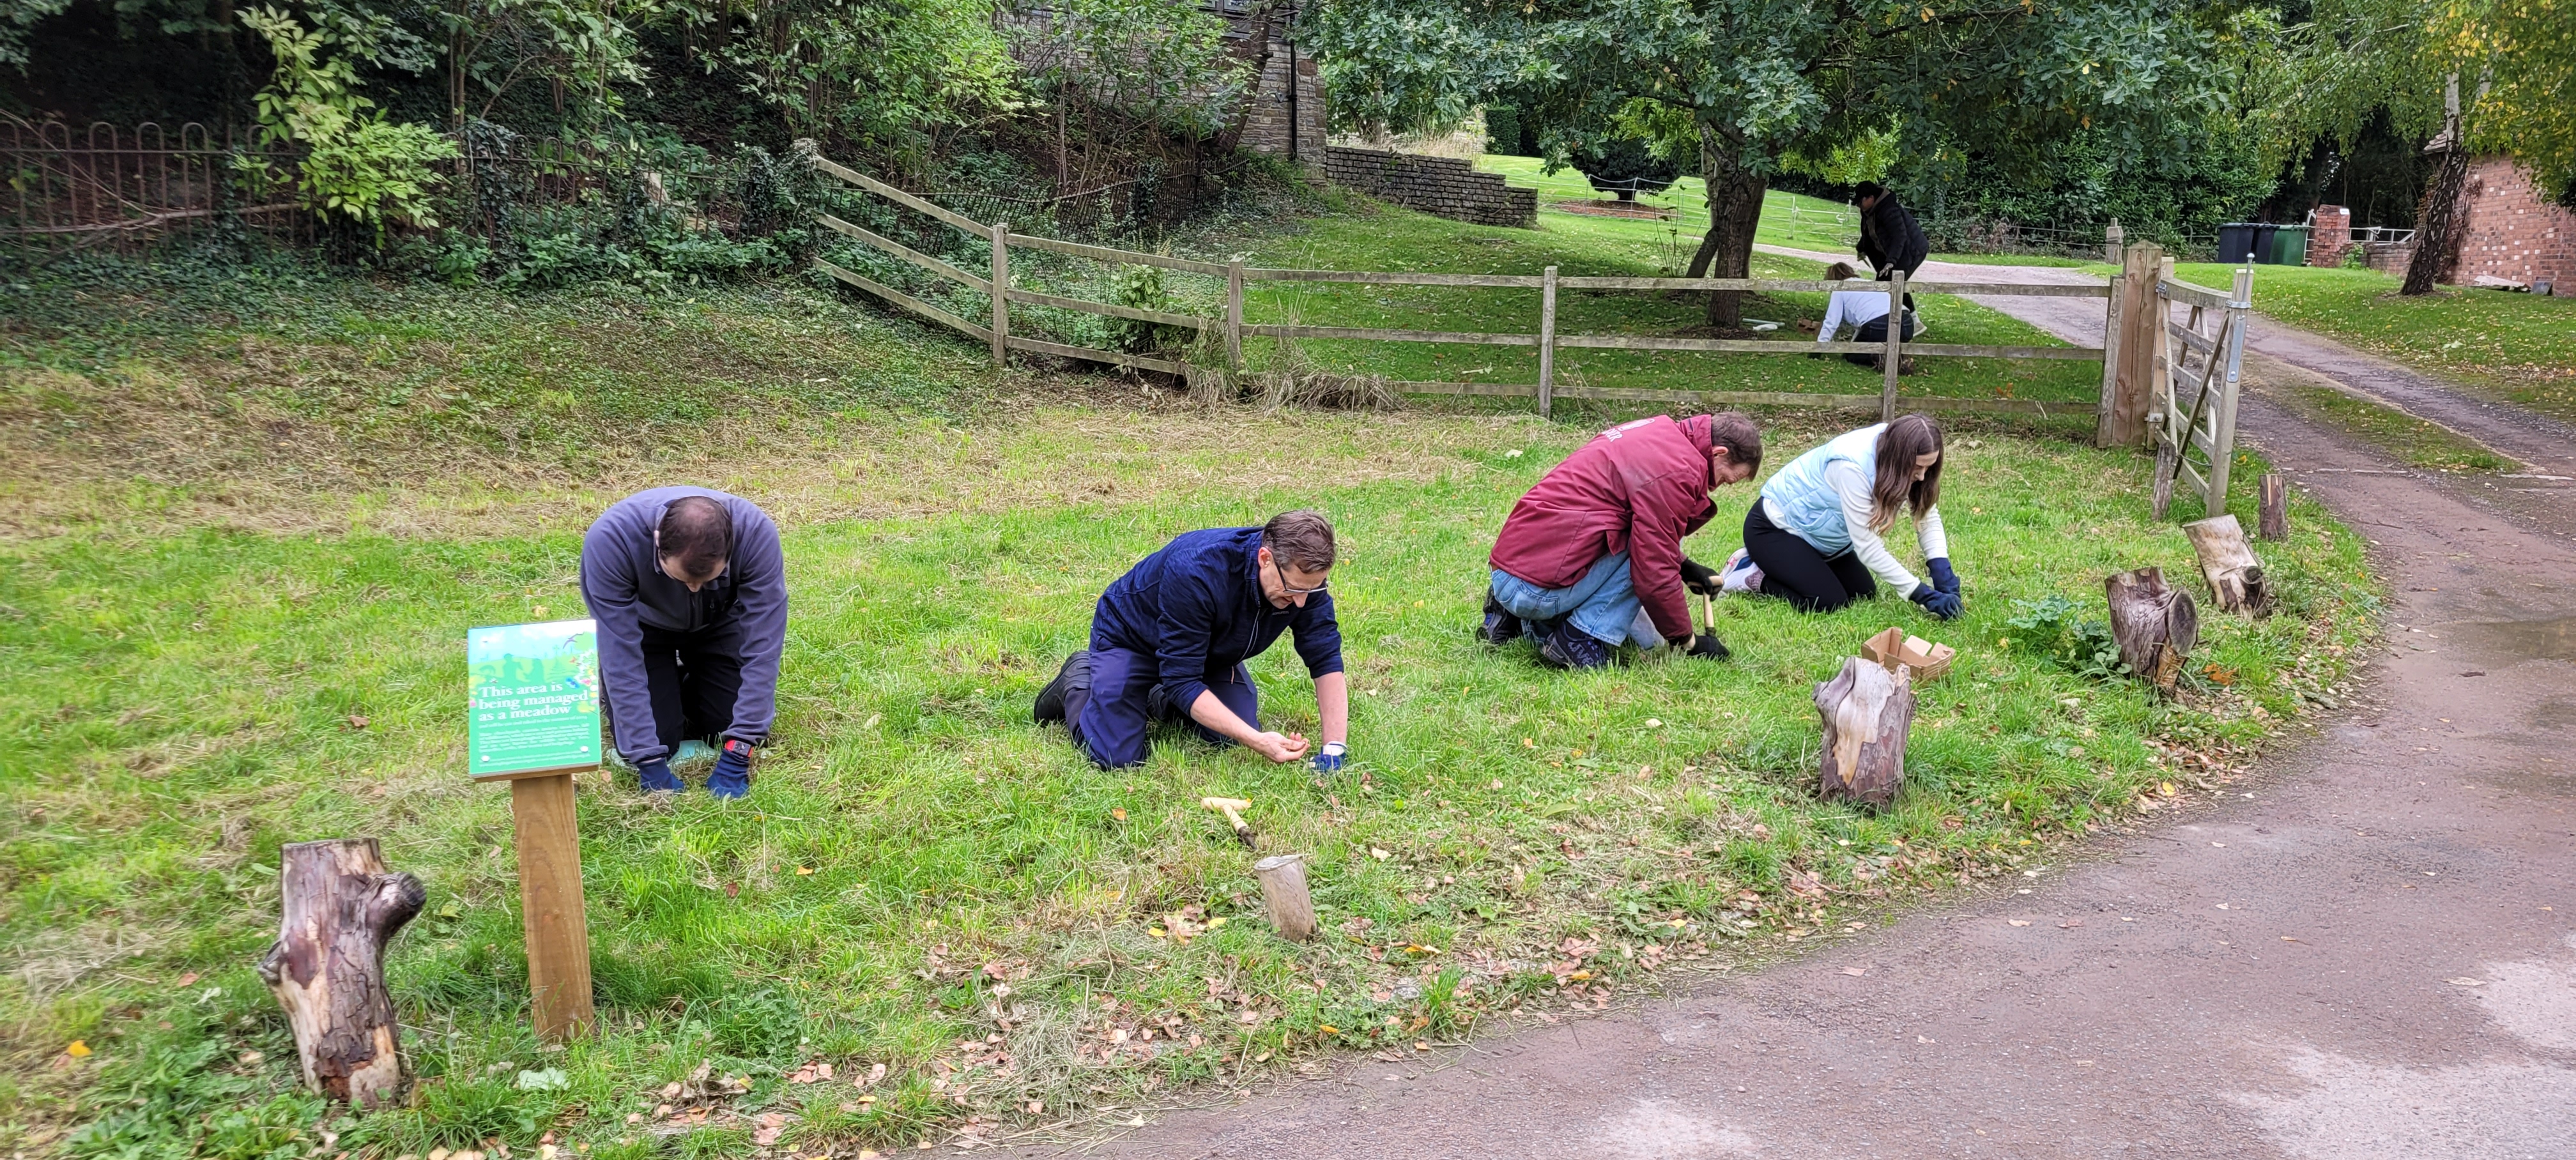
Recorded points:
(2513, 231)
(1443, 186)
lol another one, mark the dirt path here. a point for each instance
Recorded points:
(2366, 950)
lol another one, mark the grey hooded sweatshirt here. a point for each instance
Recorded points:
(622, 581)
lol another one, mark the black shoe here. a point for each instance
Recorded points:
(1568, 647)
(1501, 627)
(1076, 674)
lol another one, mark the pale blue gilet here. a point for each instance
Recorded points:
(1804, 504)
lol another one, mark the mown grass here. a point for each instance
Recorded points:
(2515, 347)
(254, 645)
(2417, 442)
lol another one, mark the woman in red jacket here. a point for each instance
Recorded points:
(1592, 559)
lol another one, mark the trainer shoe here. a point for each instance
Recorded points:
(1741, 575)
(1568, 647)
(1075, 674)
(1500, 627)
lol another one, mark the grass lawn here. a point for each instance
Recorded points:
(2515, 347)
(256, 517)
(1364, 236)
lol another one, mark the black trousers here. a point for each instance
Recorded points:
(1875, 330)
(695, 678)
(1793, 568)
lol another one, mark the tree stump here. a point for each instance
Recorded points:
(1283, 891)
(1868, 711)
(2154, 623)
(2275, 522)
(2227, 562)
(327, 967)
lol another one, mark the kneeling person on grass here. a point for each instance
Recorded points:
(1170, 638)
(1815, 538)
(690, 592)
(1591, 558)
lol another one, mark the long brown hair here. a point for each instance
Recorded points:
(1907, 438)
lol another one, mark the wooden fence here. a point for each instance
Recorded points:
(1548, 283)
(2189, 373)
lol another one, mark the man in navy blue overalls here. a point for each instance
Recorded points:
(1169, 639)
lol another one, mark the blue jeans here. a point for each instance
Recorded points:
(1126, 701)
(1603, 605)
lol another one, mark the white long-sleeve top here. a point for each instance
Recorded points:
(1854, 308)
(1851, 486)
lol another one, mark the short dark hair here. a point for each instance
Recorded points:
(1734, 431)
(1301, 539)
(1867, 189)
(698, 532)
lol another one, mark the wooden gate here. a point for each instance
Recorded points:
(2175, 382)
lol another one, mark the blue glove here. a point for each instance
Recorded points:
(1942, 577)
(1329, 758)
(656, 775)
(1942, 605)
(732, 778)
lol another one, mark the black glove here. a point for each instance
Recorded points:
(1942, 577)
(656, 775)
(1706, 646)
(1942, 605)
(732, 776)
(1699, 578)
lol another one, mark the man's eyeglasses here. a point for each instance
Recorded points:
(1291, 589)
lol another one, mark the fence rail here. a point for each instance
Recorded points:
(1546, 340)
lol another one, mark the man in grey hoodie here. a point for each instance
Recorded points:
(690, 593)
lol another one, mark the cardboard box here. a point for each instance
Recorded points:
(1892, 648)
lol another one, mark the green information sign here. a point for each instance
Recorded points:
(535, 695)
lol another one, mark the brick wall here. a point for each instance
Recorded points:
(2331, 237)
(2510, 229)
(1283, 125)
(1444, 186)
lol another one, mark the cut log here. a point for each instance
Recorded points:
(2275, 522)
(1868, 712)
(1283, 891)
(2227, 562)
(327, 968)
(2154, 623)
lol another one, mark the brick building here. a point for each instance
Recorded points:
(1287, 115)
(2511, 233)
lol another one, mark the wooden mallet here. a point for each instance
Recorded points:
(1228, 806)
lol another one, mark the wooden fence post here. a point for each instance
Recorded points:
(1547, 342)
(551, 915)
(2129, 386)
(2273, 509)
(1234, 316)
(1001, 294)
(2111, 328)
(1894, 359)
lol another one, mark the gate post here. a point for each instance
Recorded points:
(1894, 358)
(2128, 383)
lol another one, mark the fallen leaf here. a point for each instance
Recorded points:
(2070, 924)
(1419, 1045)
(733, 889)
(78, 1050)
(188, 980)
(2018, 921)
(1328, 1029)
(1118, 814)
(1653, 723)
(1526, 743)
(2224, 906)
(1378, 854)
(2466, 982)
(1855, 972)
(357, 720)
(802, 871)
(2286, 938)
(246, 1058)
(771, 1124)
(1924, 1039)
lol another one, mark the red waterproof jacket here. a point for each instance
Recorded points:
(1636, 488)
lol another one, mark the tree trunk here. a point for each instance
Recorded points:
(327, 966)
(2154, 623)
(1868, 712)
(2227, 562)
(1734, 212)
(2437, 240)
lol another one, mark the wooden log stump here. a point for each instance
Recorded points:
(2227, 562)
(2275, 522)
(1283, 892)
(1868, 712)
(2154, 623)
(327, 968)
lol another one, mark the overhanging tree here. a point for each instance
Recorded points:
(1749, 84)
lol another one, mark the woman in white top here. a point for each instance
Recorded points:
(1815, 537)
(1865, 311)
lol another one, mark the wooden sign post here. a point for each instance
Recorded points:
(534, 689)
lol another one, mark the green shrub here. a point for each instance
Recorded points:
(2055, 627)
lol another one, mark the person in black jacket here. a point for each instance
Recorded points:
(1890, 238)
